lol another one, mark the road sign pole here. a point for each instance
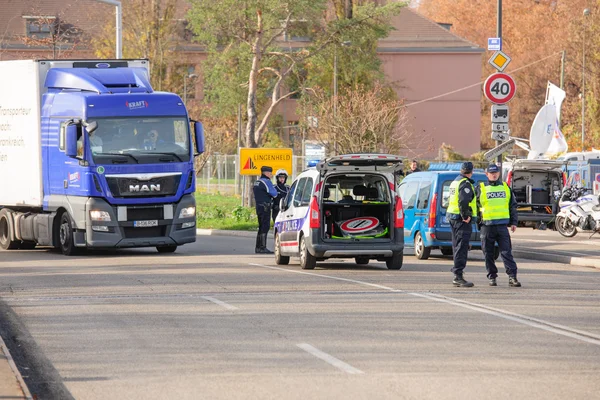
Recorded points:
(499, 35)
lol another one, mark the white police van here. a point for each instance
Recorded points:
(346, 207)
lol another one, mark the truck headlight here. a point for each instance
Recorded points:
(188, 212)
(96, 215)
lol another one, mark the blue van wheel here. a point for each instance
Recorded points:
(421, 252)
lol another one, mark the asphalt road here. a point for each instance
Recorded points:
(214, 321)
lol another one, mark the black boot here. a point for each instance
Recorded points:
(263, 244)
(257, 248)
(513, 282)
(459, 281)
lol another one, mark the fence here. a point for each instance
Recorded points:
(221, 174)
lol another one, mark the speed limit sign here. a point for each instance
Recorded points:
(499, 88)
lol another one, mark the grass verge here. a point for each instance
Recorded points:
(217, 211)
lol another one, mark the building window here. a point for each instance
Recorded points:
(39, 27)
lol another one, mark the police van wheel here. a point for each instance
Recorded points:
(421, 252)
(395, 261)
(447, 251)
(307, 260)
(6, 231)
(361, 260)
(279, 259)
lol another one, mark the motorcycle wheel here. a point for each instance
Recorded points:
(565, 227)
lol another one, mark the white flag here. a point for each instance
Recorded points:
(556, 96)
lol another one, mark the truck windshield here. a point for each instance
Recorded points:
(140, 140)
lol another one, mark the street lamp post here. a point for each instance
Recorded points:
(586, 12)
(119, 27)
(185, 78)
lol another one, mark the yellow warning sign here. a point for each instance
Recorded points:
(252, 160)
(500, 60)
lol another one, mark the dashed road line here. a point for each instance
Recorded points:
(219, 302)
(330, 359)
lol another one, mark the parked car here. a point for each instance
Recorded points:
(425, 198)
(346, 207)
(535, 184)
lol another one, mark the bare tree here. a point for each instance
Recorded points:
(364, 119)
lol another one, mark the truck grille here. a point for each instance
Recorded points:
(145, 213)
(132, 187)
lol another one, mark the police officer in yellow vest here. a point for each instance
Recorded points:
(498, 208)
(462, 210)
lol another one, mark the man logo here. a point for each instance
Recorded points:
(144, 188)
(496, 195)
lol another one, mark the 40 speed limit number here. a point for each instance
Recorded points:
(499, 88)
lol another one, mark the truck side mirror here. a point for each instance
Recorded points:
(71, 141)
(199, 131)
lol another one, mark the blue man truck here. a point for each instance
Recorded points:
(92, 157)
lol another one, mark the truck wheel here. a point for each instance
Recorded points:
(395, 261)
(6, 231)
(279, 259)
(65, 235)
(421, 252)
(361, 261)
(307, 260)
(166, 249)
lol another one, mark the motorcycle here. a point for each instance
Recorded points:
(579, 212)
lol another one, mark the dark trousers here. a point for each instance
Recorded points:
(275, 213)
(461, 235)
(490, 234)
(263, 211)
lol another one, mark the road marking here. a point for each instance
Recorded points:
(522, 319)
(329, 359)
(559, 242)
(219, 302)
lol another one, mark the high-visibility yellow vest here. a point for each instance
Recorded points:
(453, 207)
(495, 202)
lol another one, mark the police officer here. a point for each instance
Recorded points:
(462, 209)
(498, 208)
(264, 192)
(282, 190)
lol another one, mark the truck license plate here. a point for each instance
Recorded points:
(145, 224)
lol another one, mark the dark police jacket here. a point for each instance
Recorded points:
(282, 191)
(264, 192)
(514, 216)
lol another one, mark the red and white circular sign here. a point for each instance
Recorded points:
(499, 88)
(359, 225)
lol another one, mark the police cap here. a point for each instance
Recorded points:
(266, 168)
(493, 168)
(466, 167)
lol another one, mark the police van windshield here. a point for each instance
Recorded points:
(137, 140)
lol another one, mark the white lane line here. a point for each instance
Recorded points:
(558, 242)
(329, 359)
(522, 319)
(219, 302)
(332, 277)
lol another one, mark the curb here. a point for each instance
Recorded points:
(18, 376)
(217, 232)
(557, 258)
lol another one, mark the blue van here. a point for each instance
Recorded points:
(425, 200)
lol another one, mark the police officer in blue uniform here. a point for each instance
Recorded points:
(462, 210)
(282, 190)
(498, 208)
(264, 193)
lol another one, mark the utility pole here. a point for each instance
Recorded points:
(499, 35)
(562, 69)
